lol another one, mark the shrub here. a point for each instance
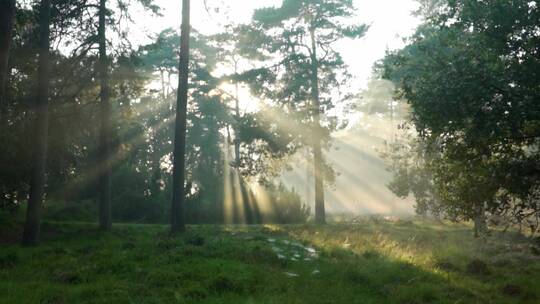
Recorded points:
(286, 206)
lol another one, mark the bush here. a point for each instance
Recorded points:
(131, 203)
(136, 207)
(286, 206)
(84, 211)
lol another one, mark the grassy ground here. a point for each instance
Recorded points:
(371, 261)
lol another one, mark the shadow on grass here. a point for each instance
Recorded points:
(376, 276)
(447, 260)
(218, 264)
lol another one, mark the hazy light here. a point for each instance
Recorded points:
(361, 187)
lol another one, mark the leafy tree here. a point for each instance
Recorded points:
(82, 13)
(68, 83)
(73, 90)
(469, 76)
(409, 161)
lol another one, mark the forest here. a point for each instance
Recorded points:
(215, 151)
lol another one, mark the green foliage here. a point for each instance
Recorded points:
(408, 159)
(469, 76)
(286, 206)
(83, 211)
(302, 72)
(142, 137)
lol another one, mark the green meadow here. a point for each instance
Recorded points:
(371, 260)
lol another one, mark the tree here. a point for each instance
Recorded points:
(179, 157)
(104, 163)
(142, 129)
(7, 16)
(70, 87)
(407, 159)
(469, 74)
(39, 158)
(76, 18)
(302, 34)
(211, 113)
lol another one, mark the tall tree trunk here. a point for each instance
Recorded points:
(309, 173)
(320, 216)
(7, 17)
(39, 156)
(104, 152)
(237, 125)
(179, 155)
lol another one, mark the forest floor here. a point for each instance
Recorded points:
(370, 261)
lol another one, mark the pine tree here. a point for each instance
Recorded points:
(39, 157)
(7, 16)
(303, 34)
(179, 160)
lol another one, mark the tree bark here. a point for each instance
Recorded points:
(179, 154)
(309, 173)
(7, 18)
(104, 157)
(320, 216)
(39, 155)
(237, 125)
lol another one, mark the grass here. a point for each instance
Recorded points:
(371, 261)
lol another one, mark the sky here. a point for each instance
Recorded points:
(390, 21)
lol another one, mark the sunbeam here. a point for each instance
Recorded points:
(141, 140)
(360, 186)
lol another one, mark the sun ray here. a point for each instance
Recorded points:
(92, 174)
